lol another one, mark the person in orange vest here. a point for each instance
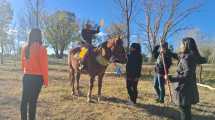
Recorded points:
(35, 69)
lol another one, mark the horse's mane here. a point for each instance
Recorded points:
(104, 44)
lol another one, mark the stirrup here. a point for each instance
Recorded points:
(81, 67)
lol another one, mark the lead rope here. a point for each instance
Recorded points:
(165, 72)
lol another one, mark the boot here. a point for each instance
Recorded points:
(82, 66)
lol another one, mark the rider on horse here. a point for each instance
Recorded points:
(87, 34)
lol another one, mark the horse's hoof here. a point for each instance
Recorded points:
(79, 93)
(73, 94)
(89, 100)
(99, 99)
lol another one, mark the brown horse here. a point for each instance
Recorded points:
(111, 51)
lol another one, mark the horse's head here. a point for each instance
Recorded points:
(118, 53)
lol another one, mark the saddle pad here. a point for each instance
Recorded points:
(83, 52)
(80, 54)
(102, 61)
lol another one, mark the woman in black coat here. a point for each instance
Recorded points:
(133, 71)
(186, 92)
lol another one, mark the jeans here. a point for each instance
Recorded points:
(185, 111)
(31, 88)
(131, 85)
(159, 85)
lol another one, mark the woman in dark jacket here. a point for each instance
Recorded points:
(186, 91)
(133, 71)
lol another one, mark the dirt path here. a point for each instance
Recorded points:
(56, 103)
(9, 102)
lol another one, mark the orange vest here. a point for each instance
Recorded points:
(37, 64)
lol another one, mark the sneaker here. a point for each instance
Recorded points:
(159, 101)
(83, 65)
(130, 103)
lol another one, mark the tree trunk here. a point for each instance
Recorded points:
(128, 31)
(128, 35)
(56, 53)
(2, 54)
(37, 14)
(61, 54)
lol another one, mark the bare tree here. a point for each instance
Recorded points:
(34, 16)
(6, 15)
(34, 13)
(116, 29)
(127, 8)
(164, 18)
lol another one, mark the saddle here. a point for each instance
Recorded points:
(80, 54)
(102, 60)
(99, 57)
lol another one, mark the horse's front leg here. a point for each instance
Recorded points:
(100, 78)
(72, 81)
(90, 88)
(77, 79)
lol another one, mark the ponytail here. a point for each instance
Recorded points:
(35, 36)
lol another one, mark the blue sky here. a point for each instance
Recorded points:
(84, 9)
(107, 10)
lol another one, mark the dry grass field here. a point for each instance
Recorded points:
(56, 103)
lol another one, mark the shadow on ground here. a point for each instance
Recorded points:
(161, 111)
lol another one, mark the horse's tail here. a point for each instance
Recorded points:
(69, 58)
(72, 52)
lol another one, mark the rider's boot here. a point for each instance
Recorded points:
(83, 65)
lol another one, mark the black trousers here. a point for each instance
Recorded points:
(131, 84)
(185, 111)
(31, 88)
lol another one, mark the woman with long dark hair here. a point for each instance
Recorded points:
(35, 68)
(186, 92)
(133, 71)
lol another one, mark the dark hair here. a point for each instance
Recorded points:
(190, 46)
(35, 36)
(165, 45)
(137, 47)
